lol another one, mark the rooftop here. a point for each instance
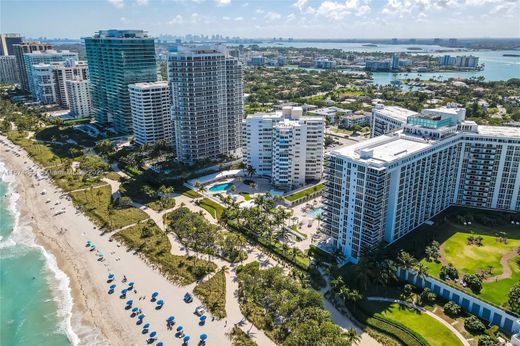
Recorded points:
(149, 85)
(385, 149)
(394, 112)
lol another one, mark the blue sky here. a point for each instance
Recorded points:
(266, 18)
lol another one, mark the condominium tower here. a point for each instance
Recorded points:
(381, 189)
(78, 94)
(151, 114)
(8, 69)
(19, 51)
(43, 57)
(207, 102)
(49, 80)
(117, 58)
(386, 119)
(285, 146)
(6, 43)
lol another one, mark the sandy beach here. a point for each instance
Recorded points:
(99, 318)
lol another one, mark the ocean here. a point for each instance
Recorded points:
(35, 299)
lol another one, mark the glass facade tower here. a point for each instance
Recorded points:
(116, 59)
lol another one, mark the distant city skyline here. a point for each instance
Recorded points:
(262, 19)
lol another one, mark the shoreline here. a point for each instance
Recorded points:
(97, 317)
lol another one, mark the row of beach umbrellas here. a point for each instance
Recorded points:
(141, 316)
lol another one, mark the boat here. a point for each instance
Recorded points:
(369, 45)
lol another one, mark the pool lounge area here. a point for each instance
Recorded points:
(220, 187)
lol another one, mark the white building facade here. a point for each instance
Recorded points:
(386, 119)
(207, 102)
(8, 70)
(44, 57)
(49, 80)
(151, 115)
(382, 189)
(285, 146)
(79, 98)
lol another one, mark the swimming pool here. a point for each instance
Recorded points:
(220, 187)
(315, 212)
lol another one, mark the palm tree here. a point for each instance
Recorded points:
(251, 171)
(422, 270)
(352, 336)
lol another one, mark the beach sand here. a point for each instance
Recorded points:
(97, 317)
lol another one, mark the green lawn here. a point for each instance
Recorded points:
(156, 247)
(246, 196)
(304, 193)
(96, 204)
(496, 292)
(433, 331)
(212, 207)
(472, 258)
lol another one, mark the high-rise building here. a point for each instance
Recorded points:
(151, 113)
(285, 146)
(395, 61)
(383, 188)
(386, 119)
(117, 58)
(207, 102)
(6, 43)
(8, 70)
(19, 51)
(79, 99)
(44, 57)
(49, 80)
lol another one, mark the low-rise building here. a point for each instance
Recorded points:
(332, 114)
(285, 146)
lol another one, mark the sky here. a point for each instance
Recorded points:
(266, 18)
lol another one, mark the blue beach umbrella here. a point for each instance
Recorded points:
(159, 344)
(179, 328)
(129, 302)
(203, 318)
(111, 276)
(155, 294)
(160, 302)
(171, 318)
(203, 337)
(135, 309)
(146, 326)
(131, 284)
(186, 338)
(89, 242)
(152, 334)
(113, 286)
(141, 316)
(124, 290)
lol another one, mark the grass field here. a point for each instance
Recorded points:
(96, 203)
(434, 332)
(472, 258)
(304, 193)
(212, 207)
(452, 235)
(156, 247)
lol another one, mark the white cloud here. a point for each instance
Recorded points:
(221, 3)
(260, 11)
(300, 4)
(272, 16)
(178, 19)
(195, 17)
(141, 2)
(123, 19)
(290, 17)
(238, 19)
(339, 10)
(117, 3)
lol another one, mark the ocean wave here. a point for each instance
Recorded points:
(22, 235)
